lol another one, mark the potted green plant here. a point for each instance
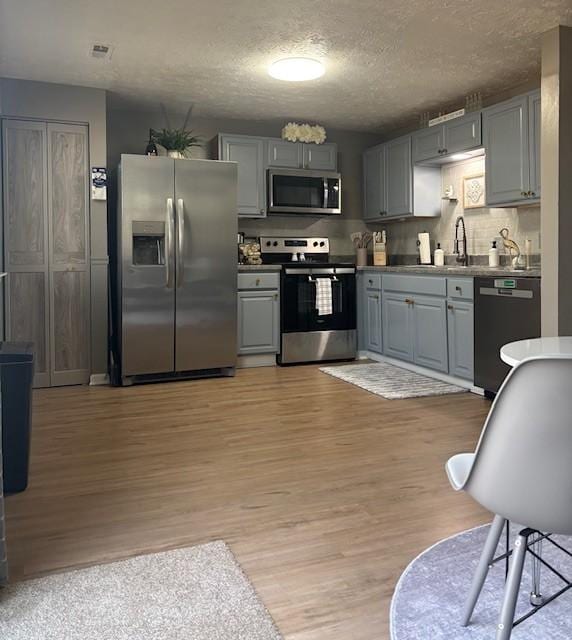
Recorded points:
(176, 142)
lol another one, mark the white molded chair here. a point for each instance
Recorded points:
(521, 469)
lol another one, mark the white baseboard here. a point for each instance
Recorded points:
(97, 379)
(258, 360)
(444, 377)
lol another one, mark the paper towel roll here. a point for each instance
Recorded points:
(424, 243)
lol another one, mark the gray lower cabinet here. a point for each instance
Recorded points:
(415, 329)
(397, 326)
(258, 322)
(372, 320)
(430, 333)
(460, 326)
(512, 143)
(248, 153)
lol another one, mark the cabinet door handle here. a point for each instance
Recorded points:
(262, 212)
(370, 281)
(408, 301)
(257, 282)
(450, 307)
(275, 296)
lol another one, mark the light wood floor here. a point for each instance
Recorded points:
(323, 491)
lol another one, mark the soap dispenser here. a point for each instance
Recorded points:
(494, 255)
(439, 256)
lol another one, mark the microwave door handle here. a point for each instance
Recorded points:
(326, 197)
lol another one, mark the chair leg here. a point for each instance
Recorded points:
(480, 576)
(506, 620)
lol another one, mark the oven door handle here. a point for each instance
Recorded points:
(320, 271)
(332, 278)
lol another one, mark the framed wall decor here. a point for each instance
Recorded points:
(474, 191)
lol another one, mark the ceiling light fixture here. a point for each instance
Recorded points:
(296, 69)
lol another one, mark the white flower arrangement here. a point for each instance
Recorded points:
(295, 132)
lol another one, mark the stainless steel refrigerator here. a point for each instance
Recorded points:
(176, 268)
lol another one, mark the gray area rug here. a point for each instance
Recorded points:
(429, 597)
(388, 381)
(199, 593)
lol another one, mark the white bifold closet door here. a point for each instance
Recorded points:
(46, 246)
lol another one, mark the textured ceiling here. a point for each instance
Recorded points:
(387, 60)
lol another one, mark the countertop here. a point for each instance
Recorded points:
(514, 353)
(259, 267)
(469, 272)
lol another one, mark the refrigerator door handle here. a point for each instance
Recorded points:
(169, 233)
(180, 241)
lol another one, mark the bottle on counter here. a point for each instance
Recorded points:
(439, 256)
(494, 255)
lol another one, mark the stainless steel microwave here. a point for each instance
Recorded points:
(304, 191)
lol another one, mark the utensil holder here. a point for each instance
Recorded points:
(361, 257)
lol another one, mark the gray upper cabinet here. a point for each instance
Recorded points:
(297, 155)
(534, 142)
(393, 188)
(462, 134)
(320, 157)
(248, 152)
(397, 326)
(374, 205)
(282, 153)
(258, 322)
(430, 332)
(428, 143)
(399, 177)
(461, 338)
(512, 142)
(454, 136)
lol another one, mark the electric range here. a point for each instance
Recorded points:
(318, 300)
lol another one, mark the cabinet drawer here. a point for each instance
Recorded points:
(372, 280)
(461, 288)
(258, 280)
(428, 285)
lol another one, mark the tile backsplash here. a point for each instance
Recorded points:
(483, 225)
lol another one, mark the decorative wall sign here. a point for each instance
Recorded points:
(98, 183)
(474, 191)
(446, 117)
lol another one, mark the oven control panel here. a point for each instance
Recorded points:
(270, 244)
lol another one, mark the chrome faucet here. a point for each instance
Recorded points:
(460, 244)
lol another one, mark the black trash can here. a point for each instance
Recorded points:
(16, 376)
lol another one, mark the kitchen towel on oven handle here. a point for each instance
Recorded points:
(324, 304)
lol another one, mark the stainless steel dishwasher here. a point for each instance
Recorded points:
(506, 309)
